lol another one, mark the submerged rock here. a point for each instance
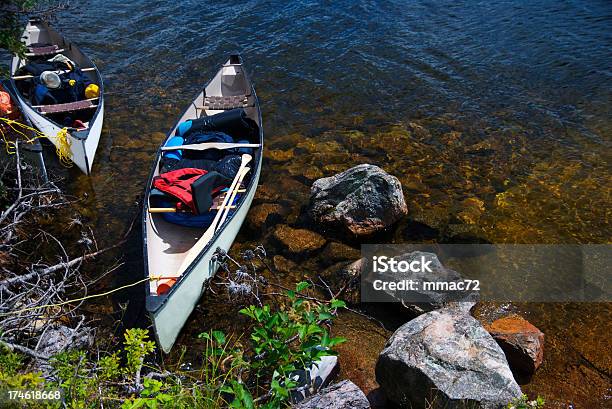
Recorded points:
(521, 341)
(472, 209)
(283, 265)
(261, 215)
(335, 252)
(445, 357)
(345, 278)
(298, 241)
(266, 193)
(342, 395)
(278, 155)
(363, 200)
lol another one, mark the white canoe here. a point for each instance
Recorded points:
(83, 143)
(167, 245)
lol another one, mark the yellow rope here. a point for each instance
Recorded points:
(62, 145)
(38, 307)
(62, 148)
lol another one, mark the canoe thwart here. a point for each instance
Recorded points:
(58, 72)
(67, 107)
(210, 145)
(223, 103)
(46, 50)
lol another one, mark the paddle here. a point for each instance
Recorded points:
(231, 200)
(174, 210)
(209, 233)
(217, 203)
(210, 145)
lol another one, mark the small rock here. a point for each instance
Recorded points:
(419, 131)
(521, 341)
(472, 209)
(59, 338)
(447, 358)
(452, 138)
(266, 193)
(283, 265)
(312, 173)
(298, 241)
(158, 137)
(363, 200)
(346, 277)
(335, 252)
(261, 215)
(278, 155)
(342, 395)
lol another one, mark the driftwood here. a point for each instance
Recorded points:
(35, 317)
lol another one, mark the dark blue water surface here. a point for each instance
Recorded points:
(494, 115)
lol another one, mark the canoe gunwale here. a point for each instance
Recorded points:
(155, 302)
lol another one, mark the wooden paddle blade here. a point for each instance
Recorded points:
(210, 145)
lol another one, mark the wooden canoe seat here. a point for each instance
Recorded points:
(58, 72)
(224, 103)
(67, 107)
(45, 50)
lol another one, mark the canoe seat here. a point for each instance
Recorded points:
(224, 103)
(45, 50)
(67, 107)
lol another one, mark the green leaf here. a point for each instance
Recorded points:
(337, 303)
(219, 337)
(301, 286)
(325, 316)
(335, 341)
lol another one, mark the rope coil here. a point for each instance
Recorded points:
(62, 145)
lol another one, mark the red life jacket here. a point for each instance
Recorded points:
(7, 108)
(178, 184)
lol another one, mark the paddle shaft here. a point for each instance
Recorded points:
(209, 233)
(232, 197)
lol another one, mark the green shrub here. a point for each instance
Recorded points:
(524, 403)
(255, 375)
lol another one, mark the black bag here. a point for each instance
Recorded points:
(234, 122)
(203, 188)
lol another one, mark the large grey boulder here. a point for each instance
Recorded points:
(363, 200)
(445, 358)
(342, 395)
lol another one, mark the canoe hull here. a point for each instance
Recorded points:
(83, 144)
(165, 245)
(172, 316)
(82, 151)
